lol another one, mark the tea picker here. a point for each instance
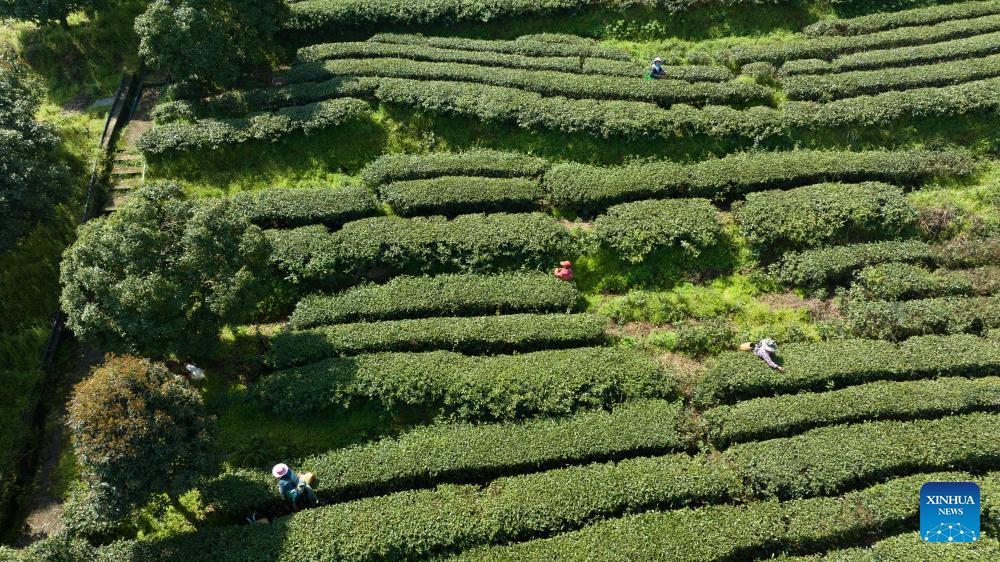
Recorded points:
(295, 488)
(764, 349)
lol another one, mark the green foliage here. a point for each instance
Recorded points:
(829, 47)
(460, 452)
(504, 387)
(478, 335)
(536, 45)
(389, 246)
(779, 416)
(826, 365)
(664, 92)
(707, 338)
(209, 43)
(589, 188)
(290, 208)
(775, 222)
(731, 532)
(892, 320)
(162, 275)
(138, 430)
(824, 267)
(867, 82)
(443, 295)
(34, 179)
(44, 11)
(454, 195)
(906, 546)
(639, 229)
(890, 20)
(477, 162)
(902, 281)
(210, 134)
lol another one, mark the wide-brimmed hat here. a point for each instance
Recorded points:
(657, 59)
(279, 470)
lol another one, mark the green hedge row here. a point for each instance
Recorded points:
(372, 49)
(631, 119)
(504, 387)
(381, 246)
(907, 546)
(775, 222)
(539, 45)
(865, 82)
(460, 452)
(422, 524)
(824, 267)
(966, 48)
(638, 229)
(830, 47)
(755, 530)
(477, 335)
(544, 82)
(779, 416)
(289, 208)
(210, 134)
(686, 72)
(828, 365)
(897, 320)
(905, 281)
(455, 195)
(905, 18)
(477, 162)
(586, 188)
(443, 295)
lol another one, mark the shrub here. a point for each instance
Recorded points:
(902, 281)
(208, 134)
(172, 111)
(444, 295)
(476, 335)
(826, 460)
(163, 274)
(527, 45)
(905, 18)
(505, 387)
(906, 546)
(395, 246)
(478, 162)
(830, 47)
(636, 230)
(454, 195)
(867, 82)
(894, 320)
(775, 222)
(707, 338)
(825, 267)
(138, 430)
(827, 365)
(461, 452)
(586, 188)
(969, 47)
(730, 532)
(544, 82)
(686, 72)
(289, 208)
(780, 416)
(374, 50)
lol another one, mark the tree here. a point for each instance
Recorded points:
(139, 430)
(209, 43)
(163, 274)
(42, 11)
(33, 179)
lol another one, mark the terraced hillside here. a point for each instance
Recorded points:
(829, 181)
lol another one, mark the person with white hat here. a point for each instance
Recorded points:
(656, 70)
(292, 489)
(763, 349)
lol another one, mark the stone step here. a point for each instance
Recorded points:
(132, 171)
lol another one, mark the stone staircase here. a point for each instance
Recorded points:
(128, 172)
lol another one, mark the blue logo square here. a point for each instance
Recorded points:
(949, 512)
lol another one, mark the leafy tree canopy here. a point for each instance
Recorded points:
(209, 42)
(163, 274)
(138, 430)
(32, 177)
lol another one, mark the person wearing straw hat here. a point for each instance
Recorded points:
(764, 349)
(656, 71)
(292, 489)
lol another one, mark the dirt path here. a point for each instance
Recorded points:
(45, 507)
